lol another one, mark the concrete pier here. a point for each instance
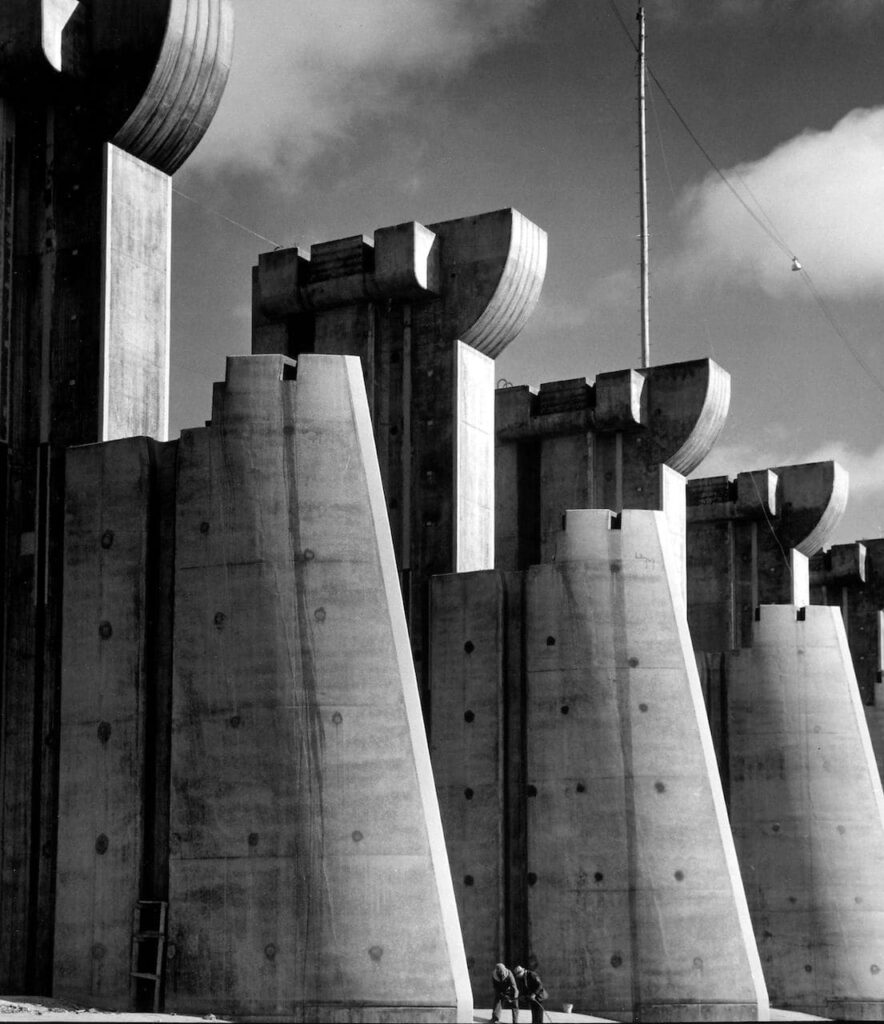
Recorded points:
(99, 103)
(306, 871)
(614, 872)
(796, 759)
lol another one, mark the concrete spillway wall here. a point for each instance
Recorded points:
(585, 820)
(271, 778)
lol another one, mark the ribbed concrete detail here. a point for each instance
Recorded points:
(807, 812)
(308, 875)
(636, 908)
(710, 420)
(186, 85)
(506, 257)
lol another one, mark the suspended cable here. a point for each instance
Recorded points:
(230, 220)
(761, 218)
(771, 232)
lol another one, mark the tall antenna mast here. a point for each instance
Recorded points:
(643, 188)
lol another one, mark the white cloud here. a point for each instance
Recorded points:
(304, 71)
(823, 191)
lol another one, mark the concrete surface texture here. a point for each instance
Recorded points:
(308, 876)
(99, 103)
(584, 817)
(808, 814)
(575, 445)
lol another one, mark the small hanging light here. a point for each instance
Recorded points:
(795, 264)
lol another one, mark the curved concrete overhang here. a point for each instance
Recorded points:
(492, 270)
(810, 500)
(687, 407)
(186, 86)
(149, 73)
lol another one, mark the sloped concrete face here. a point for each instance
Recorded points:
(808, 814)
(645, 918)
(308, 876)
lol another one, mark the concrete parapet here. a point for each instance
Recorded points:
(575, 445)
(807, 813)
(622, 885)
(748, 544)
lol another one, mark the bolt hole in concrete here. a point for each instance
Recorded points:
(253, 839)
(550, 641)
(679, 876)
(105, 630)
(469, 647)
(633, 662)
(104, 731)
(580, 787)
(235, 722)
(337, 718)
(598, 876)
(101, 844)
(376, 952)
(219, 620)
(469, 716)
(564, 709)
(616, 960)
(875, 969)
(357, 836)
(319, 615)
(531, 790)
(468, 793)
(532, 878)
(660, 787)
(643, 707)
(468, 880)
(204, 527)
(107, 539)
(270, 951)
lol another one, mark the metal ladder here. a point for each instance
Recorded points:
(149, 926)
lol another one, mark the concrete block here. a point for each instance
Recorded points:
(629, 913)
(807, 813)
(308, 876)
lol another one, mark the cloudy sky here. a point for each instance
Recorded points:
(349, 115)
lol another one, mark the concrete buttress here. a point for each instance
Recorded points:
(582, 670)
(803, 788)
(306, 871)
(100, 101)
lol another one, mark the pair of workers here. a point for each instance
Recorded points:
(507, 991)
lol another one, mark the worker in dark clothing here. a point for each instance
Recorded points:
(533, 991)
(506, 992)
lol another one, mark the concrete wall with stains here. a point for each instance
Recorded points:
(607, 864)
(306, 872)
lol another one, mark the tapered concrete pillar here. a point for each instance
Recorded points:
(807, 811)
(100, 101)
(645, 917)
(803, 787)
(583, 811)
(308, 875)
